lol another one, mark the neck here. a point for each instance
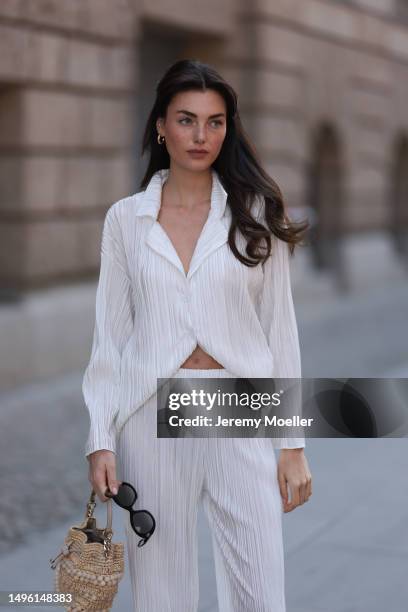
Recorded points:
(188, 188)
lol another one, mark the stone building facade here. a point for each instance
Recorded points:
(322, 87)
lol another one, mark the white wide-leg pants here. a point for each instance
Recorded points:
(236, 480)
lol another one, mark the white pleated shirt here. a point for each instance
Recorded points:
(150, 314)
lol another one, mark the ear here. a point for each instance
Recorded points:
(158, 125)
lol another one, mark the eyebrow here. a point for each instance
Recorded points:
(194, 115)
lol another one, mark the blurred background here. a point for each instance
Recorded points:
(322, 89)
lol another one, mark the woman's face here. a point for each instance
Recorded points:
(195, 120)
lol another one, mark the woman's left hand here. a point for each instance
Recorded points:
(294, 474)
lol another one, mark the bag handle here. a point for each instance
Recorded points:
(108, 532)
(90, 508)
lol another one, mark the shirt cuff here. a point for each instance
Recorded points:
(280, 443)
(99, 441)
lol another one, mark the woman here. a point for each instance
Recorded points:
(194, 282)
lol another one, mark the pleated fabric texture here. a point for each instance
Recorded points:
(236, 481)
(151, 315)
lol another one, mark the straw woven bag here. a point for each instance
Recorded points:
(90, 565)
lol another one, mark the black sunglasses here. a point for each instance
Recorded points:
(141, 521)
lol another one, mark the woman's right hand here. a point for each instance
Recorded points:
(102, 473)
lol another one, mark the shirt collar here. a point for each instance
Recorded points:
(151, 197)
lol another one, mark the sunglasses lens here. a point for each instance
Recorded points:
(142, 522)
(125, 496)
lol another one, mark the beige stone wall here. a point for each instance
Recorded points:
(318, 61)
(71, 83)
(67, 78)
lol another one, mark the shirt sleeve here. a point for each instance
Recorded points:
(278, 320)
(113, 326)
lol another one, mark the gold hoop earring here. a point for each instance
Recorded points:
(160, 139)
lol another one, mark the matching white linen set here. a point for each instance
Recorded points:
(150, 316)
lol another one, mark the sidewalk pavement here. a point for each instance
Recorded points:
(346, 549)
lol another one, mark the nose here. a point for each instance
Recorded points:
(199, 134)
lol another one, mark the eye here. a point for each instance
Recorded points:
(217, 121)
(184, 119)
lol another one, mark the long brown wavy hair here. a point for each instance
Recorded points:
(237, 164)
